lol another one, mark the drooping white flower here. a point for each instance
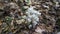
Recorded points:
(30, 26)
(28, 19)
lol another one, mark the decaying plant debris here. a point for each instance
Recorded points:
(29, 16)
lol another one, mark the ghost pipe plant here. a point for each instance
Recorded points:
(32, 15)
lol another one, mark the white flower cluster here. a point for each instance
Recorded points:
(32, 15)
